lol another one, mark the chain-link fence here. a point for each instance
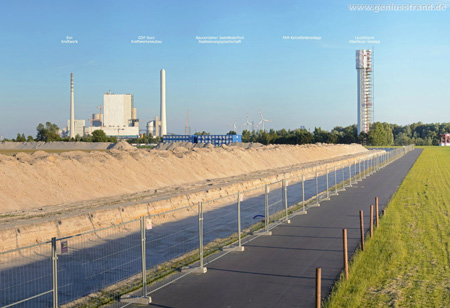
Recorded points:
(140, 256)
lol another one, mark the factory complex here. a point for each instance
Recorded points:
(117, 116)
(216, 140)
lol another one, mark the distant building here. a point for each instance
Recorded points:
(119, 117)
(154, 127)
(364, 67)
(216, 140)
(79, 126)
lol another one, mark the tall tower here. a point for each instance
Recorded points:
(163, 103)
(364, 68)
(72, 112)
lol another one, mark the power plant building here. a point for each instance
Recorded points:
(364, 67)
(119, 117)
(158, 126)
(78, 128)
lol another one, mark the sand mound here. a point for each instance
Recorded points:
(124, 146)
(32, 181)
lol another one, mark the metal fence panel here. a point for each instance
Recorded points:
(26, 277)
(172, 242)
(96, 267)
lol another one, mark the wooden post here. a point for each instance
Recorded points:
(377, 211)
(318, 287)
(361, 224)
(371, 221)
(344, 238)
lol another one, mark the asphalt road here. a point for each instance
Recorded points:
(279, 270)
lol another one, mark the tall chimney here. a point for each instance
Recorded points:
(163, 103)
(72, 112)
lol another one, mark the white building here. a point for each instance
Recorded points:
(154, 127)
(364, 68)
(119, 117)
(78, 128)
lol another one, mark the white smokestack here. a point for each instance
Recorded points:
(72, 112)
(163, 103)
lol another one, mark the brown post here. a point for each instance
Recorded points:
(318, 287)
(377, 211)
(361, 224)
(371, 221)
(344, 238)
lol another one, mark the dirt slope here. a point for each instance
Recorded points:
(31, 181)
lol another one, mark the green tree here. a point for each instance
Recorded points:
(99, 136)
(377, 135)
(246, 136)
(21, 138)
(363, 138)
(202, 133)
(30, 139)
(389, 134)
(231, 132)
(47, 133)
(112, 139)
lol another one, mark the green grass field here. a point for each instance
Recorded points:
(407, 262)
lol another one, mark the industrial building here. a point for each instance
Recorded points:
(364, 67)
(216, 140)
(119, 117)
(78, 128)
(154, 127)
(158, 126)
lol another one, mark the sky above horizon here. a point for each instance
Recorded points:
(294, 82)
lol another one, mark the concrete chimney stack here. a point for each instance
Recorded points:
(163, 103)
(72, 112)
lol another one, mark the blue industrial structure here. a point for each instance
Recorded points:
(213, 139)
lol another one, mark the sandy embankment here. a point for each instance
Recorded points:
(52, 184)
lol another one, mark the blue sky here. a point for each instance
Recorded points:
(294, 82)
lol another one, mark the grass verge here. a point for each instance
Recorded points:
(406, 263)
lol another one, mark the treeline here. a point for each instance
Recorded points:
(50, 132)
(380, 134)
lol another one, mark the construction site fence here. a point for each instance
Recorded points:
(126, 263)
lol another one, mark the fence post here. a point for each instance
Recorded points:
(350, 175)
(318, 287)
(344, 239)
(239, 218)
(266, 214)
(144, 259)
(343, 179)
(376, 210)
(361, 225)
(54, 273)
(360, 175)
(266, 207)
(328, 187)
(285, 184)
(317, 189)
(201, 269)
(335, 181)
(365, 168)
(303, 192)
(371, 220)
